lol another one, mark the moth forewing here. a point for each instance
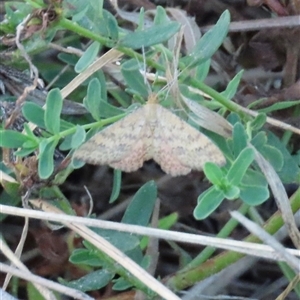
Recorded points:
(151, 132)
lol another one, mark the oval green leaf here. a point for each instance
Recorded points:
(254, 194)
(34, 114)
(240, 138)
(92, 281)
(54, 104)
(133, 77)
(155, 35)
(141, 206)
(46, 164)
(87, 58)
(213, 173)
(240, 166)
(208, 202)
(13, 139)
(116, 186)
(210, 42)
(92, 99)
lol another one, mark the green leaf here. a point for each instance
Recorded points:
(15, 17)
(13, 139)
(254, 177)
(25, 152)
(210, 42)
(155, 35)
(73, 141)
(116, 186)
(30, 133)
(67, 143)
(240, 138)
(107, 110)
(259, 140)
(78, 137)
(141, 21)
(90, 282)
(91, 16)
(202, 70)
(233, 85)
(46, 165)
(231, 192)
(102, 80)
(122, 240)
(161, 16)
(34, 114)
(32, 144)
(69, 59)
(290, 171)
(273, 155)
(259, 121)
(92, 99)
(141, 206)
(111, 23)
(233, 118)
(87, 58)
(54, 104)
(254, 194)
(213, 173)
(240, 166)
(33, 293)
(208, 202)
(10, 196)
(85, 257)
(133, 77)
(279, 106)
(121, 284)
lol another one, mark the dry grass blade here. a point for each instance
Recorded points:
(113, 252)
(268, 239)
(41, 282)
(252, 25)
(23, 270)
(191, 32)
(271, 121)
(6, 296)
(289, 288)
(19, 249)
(106, 58)
(208, 119)
(5, 177)
(238, 246)
(280, 196)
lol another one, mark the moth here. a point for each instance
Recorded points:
(151, 132)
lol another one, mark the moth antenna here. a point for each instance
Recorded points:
(172, 73)
(145, 71)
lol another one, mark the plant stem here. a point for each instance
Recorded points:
(183, 280)
(208, 251)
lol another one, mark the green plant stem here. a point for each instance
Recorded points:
(183, 280)
(289, 274)
(230, 105)
(72, 130)
(255, 216)
(288, 134)
(72, 26)
(224, 232)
